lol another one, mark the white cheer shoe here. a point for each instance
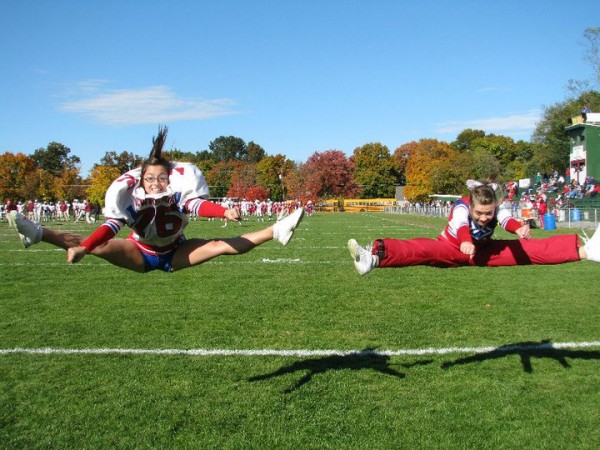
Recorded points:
(29, 232)
(284, 228)
(364, 260)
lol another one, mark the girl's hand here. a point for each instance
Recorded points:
(524, 232)
(232, 214)
(468, 248)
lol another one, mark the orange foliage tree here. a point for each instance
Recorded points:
(17, 173)
(432, 167)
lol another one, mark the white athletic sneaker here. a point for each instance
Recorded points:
(592, 246)
(364, 260)
(284, 228)
(29, 232)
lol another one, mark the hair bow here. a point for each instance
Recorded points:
(472, 184)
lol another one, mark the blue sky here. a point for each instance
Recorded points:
(295, 77)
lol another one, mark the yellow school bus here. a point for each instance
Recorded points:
(355, 204)
(368, 204)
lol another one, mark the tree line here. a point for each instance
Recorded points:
(234, 168)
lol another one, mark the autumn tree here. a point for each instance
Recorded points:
(15, 171)
(294, 185)
(68, 185)
(592, 56)
(428, 168)
(46, 186)
(219, 178)
(273, 173)
(243, 177)
(100, 179)
(328, 174)
(374, 171)
(256, 193)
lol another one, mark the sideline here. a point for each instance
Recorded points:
(296, 353)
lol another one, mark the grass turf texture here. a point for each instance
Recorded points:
(302, 296)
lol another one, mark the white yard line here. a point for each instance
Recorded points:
(299, 352)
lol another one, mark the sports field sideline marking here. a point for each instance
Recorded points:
(100, 263)
(299, 353)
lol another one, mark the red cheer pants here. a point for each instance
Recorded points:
(515, 252)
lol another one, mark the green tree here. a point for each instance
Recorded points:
(55, 158)
(254, 152)
(552, 148)
(464, 141)
(374, 171)
(228, 148)
(484, 165)
(272, 173)
(124, 161)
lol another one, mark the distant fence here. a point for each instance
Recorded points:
(567, 217)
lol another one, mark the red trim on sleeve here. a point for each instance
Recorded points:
(464, 234)
(103, 234)
(210, 209)
(512, 225)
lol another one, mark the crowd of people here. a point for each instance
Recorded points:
(84, 210)
(62, 211)
(549, 193)
(263, 210)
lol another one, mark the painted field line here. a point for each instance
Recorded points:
(301, 352)
(218, 263)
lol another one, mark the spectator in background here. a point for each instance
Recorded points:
(9, 206)
(584, 112)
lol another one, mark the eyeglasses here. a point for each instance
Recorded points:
(161, 179)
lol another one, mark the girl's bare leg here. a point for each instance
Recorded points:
(198, 251)
(62, 239)
(120, 252)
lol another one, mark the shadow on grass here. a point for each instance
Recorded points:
(526, 351)
(365, 359)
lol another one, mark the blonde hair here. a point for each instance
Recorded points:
(484, 195)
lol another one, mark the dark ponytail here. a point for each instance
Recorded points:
(156, 158)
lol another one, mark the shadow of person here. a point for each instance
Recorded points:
(364, 359)
(526, 351)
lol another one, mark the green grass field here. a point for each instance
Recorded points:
(305, 296)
